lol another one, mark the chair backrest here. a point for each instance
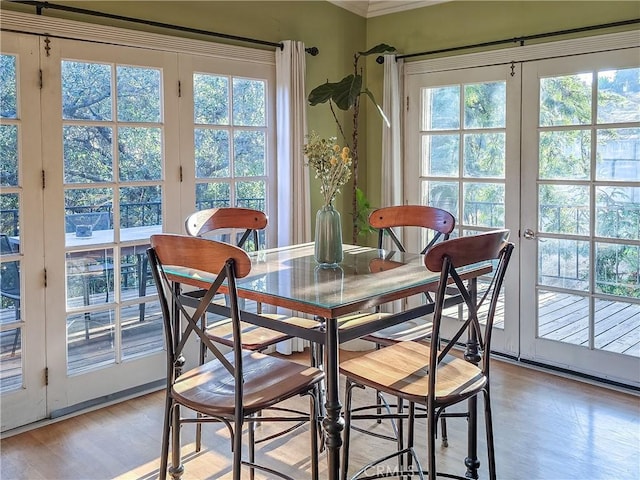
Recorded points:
(217, 263)
(448, 258)
(10, 272)
(387, 219)
(5, 244)
(206, 221)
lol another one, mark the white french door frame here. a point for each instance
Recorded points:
(505, 340)
(67, 390)
(28, 403)
(44, 335)
(526, 258)
(198, 64)
(599, 363)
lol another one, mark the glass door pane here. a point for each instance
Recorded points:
(230, 143)
(111, 123)
(467, 131)
(587, 226)
(11, 316)
(112, 144)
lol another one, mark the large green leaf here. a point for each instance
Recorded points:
(343, 93)
(347, 91)
(321, 94)
(380, 48)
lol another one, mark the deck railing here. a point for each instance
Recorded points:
(568, 219)
(100, 217)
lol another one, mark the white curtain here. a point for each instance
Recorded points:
(294, 204)
(392, 170)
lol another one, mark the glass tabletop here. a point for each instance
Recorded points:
(365, 275)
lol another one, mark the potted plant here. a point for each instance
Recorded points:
(345, 95)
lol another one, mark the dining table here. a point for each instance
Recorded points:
(290, 278)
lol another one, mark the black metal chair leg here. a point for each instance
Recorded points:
(411, 435)
(489, 428)
(314, 421)
(177, 468)
(400, 438)
(443, 425)
(252, 448)
(432, 428)
(347, 429)
(237, 448)
(166, 428)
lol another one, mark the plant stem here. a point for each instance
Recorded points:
(335, 117)
(354, 158)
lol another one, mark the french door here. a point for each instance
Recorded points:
(568, 189)
(101, 146)
(581, 214)
(111, 131)
(227, 136)
(22, 289)
(463, 146)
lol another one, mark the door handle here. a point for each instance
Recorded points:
(529, 234)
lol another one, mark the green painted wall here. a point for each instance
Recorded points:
(339, 33)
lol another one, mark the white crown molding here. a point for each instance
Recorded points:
(385, 7)
(376, 8)
(354, 6)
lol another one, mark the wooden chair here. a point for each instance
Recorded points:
(227, 223)
(213, 220)
(426, 373)
(249, 222)
(233, 387)
(434, 225)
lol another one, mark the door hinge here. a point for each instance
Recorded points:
(180, 173)
(44, 180)
(45, 278)
(40, 78)
(46, 376)
(407, 103)
(179, 89)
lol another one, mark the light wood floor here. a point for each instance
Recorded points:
(546, 427)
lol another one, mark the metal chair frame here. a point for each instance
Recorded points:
(226, 263)
(445, 258)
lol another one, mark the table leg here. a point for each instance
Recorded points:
(471, 355)
(333, 422)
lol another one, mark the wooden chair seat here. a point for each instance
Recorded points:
(400, 370)
(412, 330)
(268, 380)
(254, 337)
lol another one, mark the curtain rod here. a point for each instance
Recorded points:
(313, 51)
(520, 40)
